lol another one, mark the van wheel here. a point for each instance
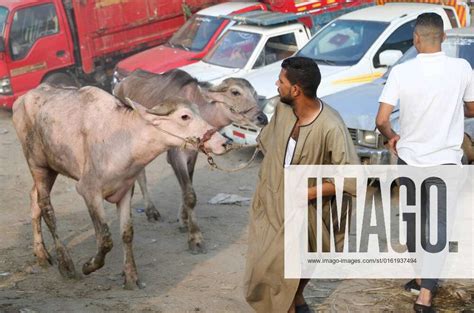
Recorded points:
(61, 80)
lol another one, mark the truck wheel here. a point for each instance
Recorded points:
(61, 80)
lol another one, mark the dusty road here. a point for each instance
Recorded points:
(176, 281)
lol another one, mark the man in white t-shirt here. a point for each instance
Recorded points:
(433, 91)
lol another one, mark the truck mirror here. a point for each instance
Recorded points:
(2, 44)
(390, 57)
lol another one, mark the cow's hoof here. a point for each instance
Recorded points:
(153, 215)
(44, 259)
(65, 263)
(197, 248)
(91, 266)
(133, 284)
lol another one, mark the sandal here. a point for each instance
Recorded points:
(413, 287)
(420, 308)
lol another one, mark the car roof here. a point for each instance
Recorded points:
(225, 8)
(263, 29)
(465, 31)
(389, 11)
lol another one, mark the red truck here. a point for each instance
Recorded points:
(79, 41)
(187, 45)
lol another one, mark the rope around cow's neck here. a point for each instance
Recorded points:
(213, 164)
(198, 143)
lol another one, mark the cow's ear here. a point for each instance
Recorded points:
(162, 109)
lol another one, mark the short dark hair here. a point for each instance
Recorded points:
(303, 72)
(430, 24)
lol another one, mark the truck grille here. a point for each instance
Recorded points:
(353, 133)
(250, 129)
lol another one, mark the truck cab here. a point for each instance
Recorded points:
(34, 41)
(189, 44)
(245, 48)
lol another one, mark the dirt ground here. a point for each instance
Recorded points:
(176, 281)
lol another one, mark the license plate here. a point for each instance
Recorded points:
(238, 134)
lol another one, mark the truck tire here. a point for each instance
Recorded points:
(61, 80)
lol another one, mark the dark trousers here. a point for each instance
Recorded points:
(429, 284)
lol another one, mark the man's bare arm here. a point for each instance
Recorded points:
(469, 109)
(383, 120)
(385, 127)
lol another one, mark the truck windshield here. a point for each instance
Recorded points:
(343, 42)
(460, 47)
(196, 33)
(3, 18)
(233, 49)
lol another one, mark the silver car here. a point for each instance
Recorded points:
(359, 106)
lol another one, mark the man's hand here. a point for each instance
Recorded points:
(327, 189)
(392, 144)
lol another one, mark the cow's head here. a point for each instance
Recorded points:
(237, 100)
(175, 119)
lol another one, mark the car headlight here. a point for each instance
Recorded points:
(369, 138)
(5, 86)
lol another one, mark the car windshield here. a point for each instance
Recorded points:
(233, 49)
(196, 33)
(3, 18)
(343, 42)
(460, 47)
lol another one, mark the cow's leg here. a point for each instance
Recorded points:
(42, 255)
(44, 180)
(150, 210)
(183, 163)
(126, 230)
(95, 205)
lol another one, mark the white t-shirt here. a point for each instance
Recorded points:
(431, 90)
(290, 150)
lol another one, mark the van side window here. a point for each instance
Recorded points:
(401, 39)
(29, 25)
(277, 48)
(452, 17)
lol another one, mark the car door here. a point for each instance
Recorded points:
(276, 48)
(37, 44)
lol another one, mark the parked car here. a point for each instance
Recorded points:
(354, 49)
(359, 106)
(244, 48)
(189, 44)
(195, 39)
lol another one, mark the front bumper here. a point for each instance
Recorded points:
(372, 156)
(241, 134)
(6, 101)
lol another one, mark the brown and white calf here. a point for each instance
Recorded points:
(93, 138)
